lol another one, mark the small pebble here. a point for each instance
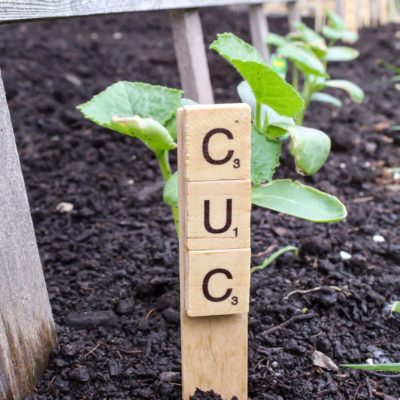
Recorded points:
(64, 208)
(117, 35)
(345, 256)
(378, 238)
(342, 165)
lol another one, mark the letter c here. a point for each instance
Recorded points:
(206, 152)
(206, 281)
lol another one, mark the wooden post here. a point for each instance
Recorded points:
(383, 12)
(191, 55)
(293, 14)
(259, 29)
(340, 8)
(27, 333)
(351, 15)
(214, 247)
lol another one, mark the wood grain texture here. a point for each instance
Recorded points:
(206, 130)
(214, 349)
(17, 10)
(218, 282)
(259, 29)
(218, 215)
(191, 56)
(27, 333)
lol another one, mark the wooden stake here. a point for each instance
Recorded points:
(350, 15)
(293, 14)
(191, 55)
(214, 283)
(27, 333)
(259, 29)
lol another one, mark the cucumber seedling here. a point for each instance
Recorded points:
(148, 113)
(309, 55)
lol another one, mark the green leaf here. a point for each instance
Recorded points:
(353, 90)
(345, 36)
(314, 39)
(276, 124)
(128, 99)
(341, 53)
(326, 98)
(334, 20)
(390, 367)
(309, 148)
(294, 198)
(275, 40)
(268, 87)
(155, 136)
(264, 157)
(303, 58)
(171, 123)
(170, 194)
(271, 258)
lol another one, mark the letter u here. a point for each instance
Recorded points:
(207, 223)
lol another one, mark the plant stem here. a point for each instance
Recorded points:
(166, 171)
(295, 78)
(308, 90)
(163, 160)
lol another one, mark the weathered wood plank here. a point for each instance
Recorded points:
(191, 56)
(27, 332)
(14, 10)
(259, 29)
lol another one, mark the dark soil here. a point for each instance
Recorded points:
(111, 264)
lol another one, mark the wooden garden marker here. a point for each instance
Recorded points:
(27, 334)
(214, 243)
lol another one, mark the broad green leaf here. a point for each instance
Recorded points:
(303, 58)
(326, 98)
(170, 194)
(390, 367)
(312, 38)
(334, 20)
(341, 53)
(275, 40)
(264, 157)
(155, 136)
(268, 87)
(128, 99)
(309, 148)
(345, 36)
(353, 90)
(274, 124)
(171, 123)
(294, 198)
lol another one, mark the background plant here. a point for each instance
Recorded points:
(309, 55)
(148, 113)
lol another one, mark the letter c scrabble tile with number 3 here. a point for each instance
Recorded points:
(217, 142)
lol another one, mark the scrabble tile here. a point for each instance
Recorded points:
(217, 215)
(217, 142)
(217, 282)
